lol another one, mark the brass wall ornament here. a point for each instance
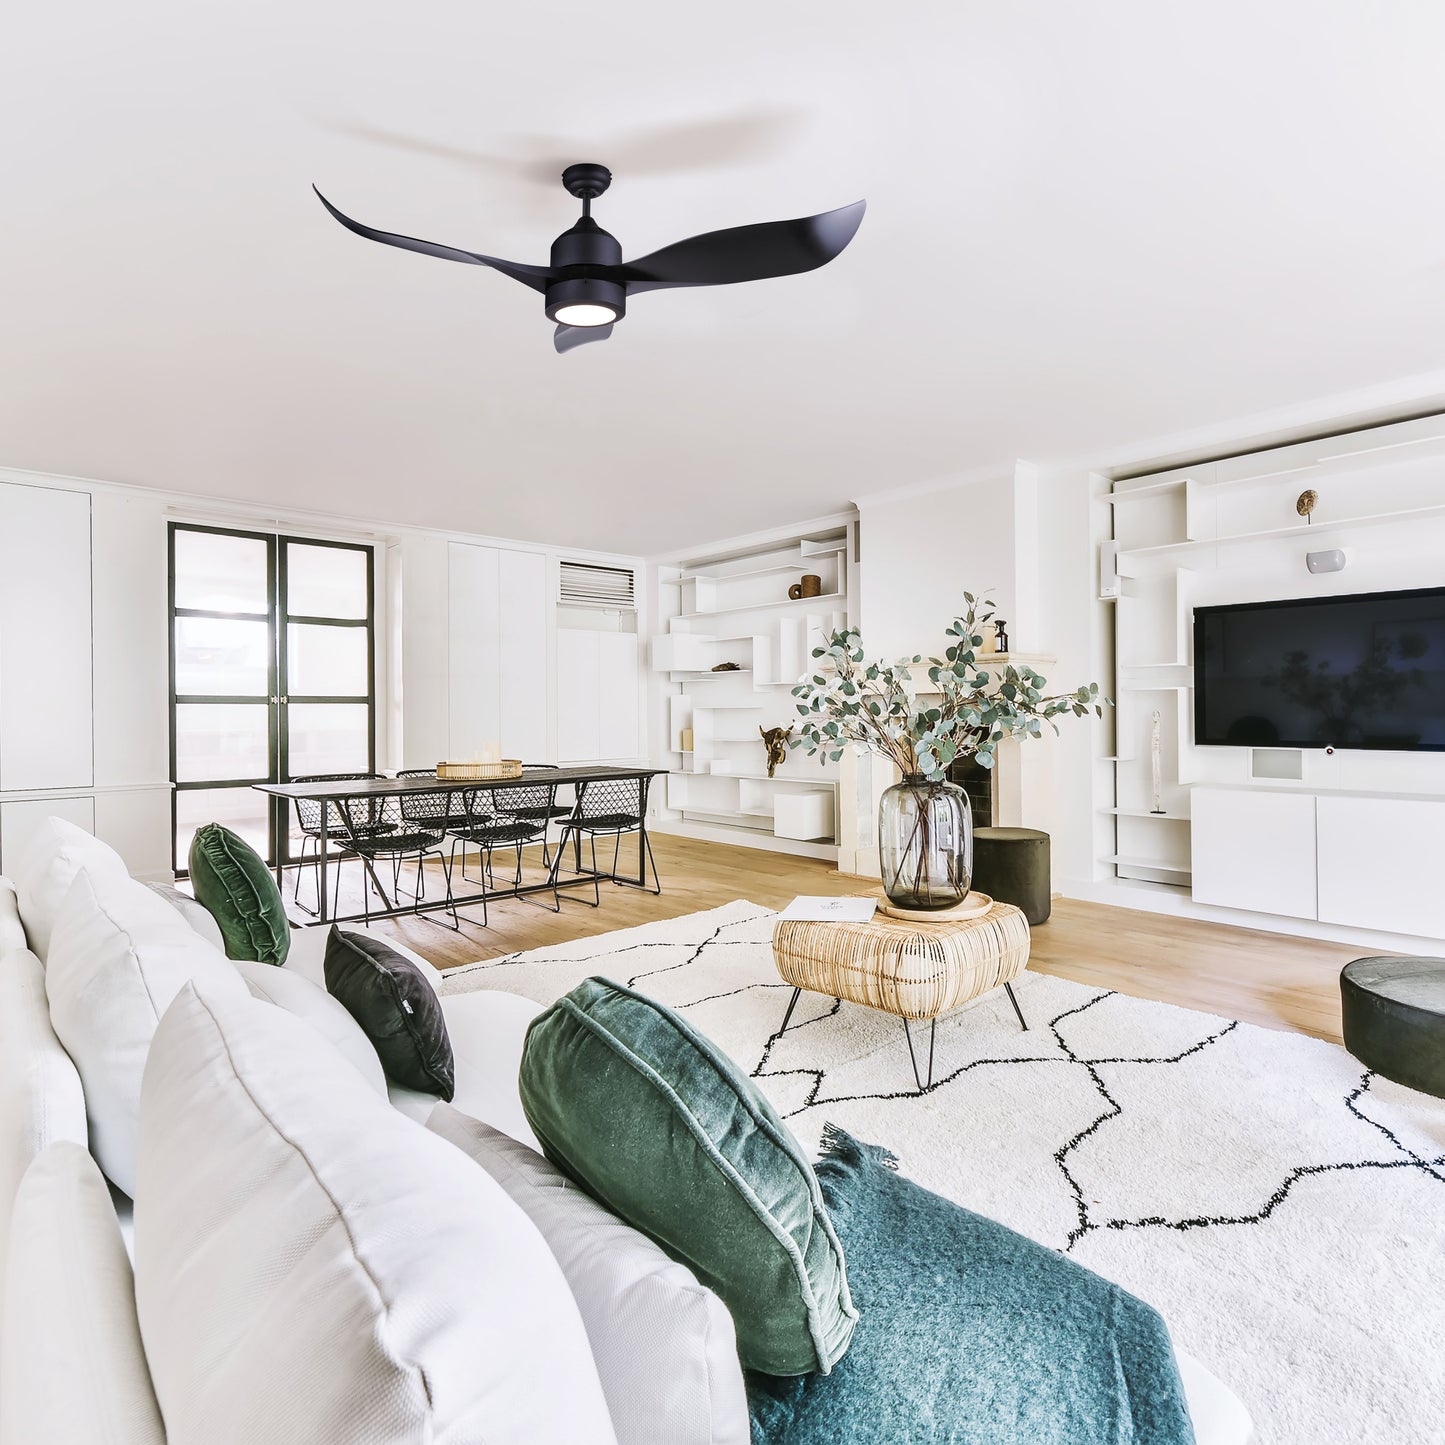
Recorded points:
(1305, 503)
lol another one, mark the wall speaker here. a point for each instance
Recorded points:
(1332, 561)
(1108, 569)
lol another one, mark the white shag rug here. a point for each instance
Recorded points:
(1280, 1206)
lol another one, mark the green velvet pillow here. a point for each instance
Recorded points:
(233, 882)
(656, 1122)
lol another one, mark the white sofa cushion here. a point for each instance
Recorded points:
(298, 995)
(368, 1285)
(196, 914)
(12, 931)
(488, 1030)
(40, 1094)
(664, 1344)
(54, 853)
(118, 956)
(70, 1347)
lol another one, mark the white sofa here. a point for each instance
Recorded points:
(233, 1093)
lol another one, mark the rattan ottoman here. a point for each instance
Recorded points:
(915, 970)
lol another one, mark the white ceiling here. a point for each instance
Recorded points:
(1088, 224)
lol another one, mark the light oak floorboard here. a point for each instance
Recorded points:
(1276, 980)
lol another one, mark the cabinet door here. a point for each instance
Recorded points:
(522, 589)
(579, 678)
(1254, 850)
(473, 649)
(619, 716)
(1381, 861)
(45, 639)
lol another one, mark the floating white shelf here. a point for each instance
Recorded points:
(1146, 813)
(1153, 489)
(1302, 529)
(1150, 865)
(761, 606)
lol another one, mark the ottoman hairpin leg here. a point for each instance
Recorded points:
(792, 1004)
(1023, 1022)
(932, 1034)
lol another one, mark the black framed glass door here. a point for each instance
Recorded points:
(273, 675)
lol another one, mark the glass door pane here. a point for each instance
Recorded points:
(222, 657)
(221, 572)
(327, 581)
(328, 737)
(327, 661)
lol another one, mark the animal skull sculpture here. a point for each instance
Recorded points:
(776, 740)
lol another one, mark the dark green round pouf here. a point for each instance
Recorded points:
(1011, 865)
(1394, 1017)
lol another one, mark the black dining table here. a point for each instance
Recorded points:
(327, 794)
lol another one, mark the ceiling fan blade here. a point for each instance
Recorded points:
(536, 277)
(566, 337)
(745, 253)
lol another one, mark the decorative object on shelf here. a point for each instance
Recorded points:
(726, 667)
(686, 740)
(1000, 635)
(1154, 758)
(500, 768)
(810, 586)
(587, 284)
(1305, 504)
(925, 832)
(776, 742)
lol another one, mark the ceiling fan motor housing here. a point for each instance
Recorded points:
(576, 253)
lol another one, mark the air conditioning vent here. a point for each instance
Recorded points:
(585, 584)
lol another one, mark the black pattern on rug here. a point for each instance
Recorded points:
(1068, 1058)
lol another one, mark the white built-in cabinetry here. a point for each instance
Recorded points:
(734, 611)
(1355, 842)
(496, 651)
(46, 659)
(1353, 859)
(598, 716)
(45, 640)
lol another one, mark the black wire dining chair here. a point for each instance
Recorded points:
(514, 804)
(455, 810)
(309, 820)
(493, 824)
(411, 826)
(611, 807)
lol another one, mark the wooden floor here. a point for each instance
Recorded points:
(1264, 978)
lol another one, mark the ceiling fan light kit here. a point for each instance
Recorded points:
(586, 286)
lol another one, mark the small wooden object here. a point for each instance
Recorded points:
(502, 768)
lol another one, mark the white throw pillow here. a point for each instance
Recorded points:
(40, 1095)
(12, 931)
(70, 1347)
(118, 956)
(664, 1344)
(54, 853)
(314, 1269)
(196, 914)
(325, 1014)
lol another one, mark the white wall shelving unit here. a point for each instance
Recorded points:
(1228, 531)
(734, 608)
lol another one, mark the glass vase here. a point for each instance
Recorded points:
(925, 837)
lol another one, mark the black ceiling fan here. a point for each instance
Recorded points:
(588, 283)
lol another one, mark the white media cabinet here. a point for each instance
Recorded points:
(1361, 860)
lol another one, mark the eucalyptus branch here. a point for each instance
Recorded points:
(848, 700)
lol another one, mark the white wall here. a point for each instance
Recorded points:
(127, 800)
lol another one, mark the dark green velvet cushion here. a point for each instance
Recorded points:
(970, 1334)
(232, 881)
(665, 1130)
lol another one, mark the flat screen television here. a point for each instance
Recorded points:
(1364, 671)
